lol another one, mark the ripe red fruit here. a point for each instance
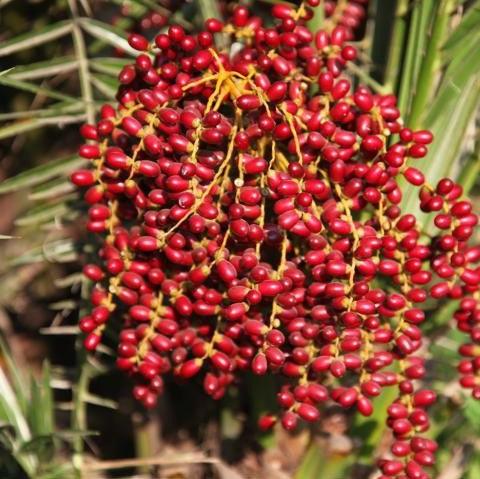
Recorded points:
(138, 42)
(308, 412)
(190, 368)
(249, 102)
(83, 178)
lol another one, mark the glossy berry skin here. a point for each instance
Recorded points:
(250, 222)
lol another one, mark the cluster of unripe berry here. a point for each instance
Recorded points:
(248, 205)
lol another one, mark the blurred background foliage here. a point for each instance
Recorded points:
(63, 414)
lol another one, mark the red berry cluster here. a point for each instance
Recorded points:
(248, 204)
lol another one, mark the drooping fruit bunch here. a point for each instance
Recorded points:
(248, 207)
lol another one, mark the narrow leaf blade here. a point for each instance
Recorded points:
(33, 38)
(107, 34)
(41, 173)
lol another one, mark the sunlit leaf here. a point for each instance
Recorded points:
(11, 413)
(15, 376)
(86, 6)
(51, 67)
(5, 72)
(108, 34)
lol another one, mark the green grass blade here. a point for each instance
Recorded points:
(11, 413)
(5, 72)
(56, 109)
(15, 376)
(82, 58)
(79, 416)
(427, 11)
(407, 73)
(42, 406)
(448, 117)
(54, 66)
(41, 173)
(418, 38)
(449, 131)
(431, 62)
(34, 123)
(37, 90)
(396, 48)
(466, 31)
(470, 172)
(26, 41)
